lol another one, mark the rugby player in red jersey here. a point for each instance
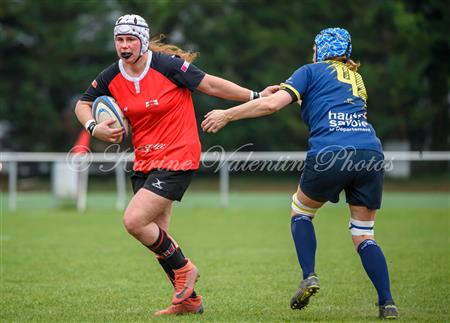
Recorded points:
(153, 84)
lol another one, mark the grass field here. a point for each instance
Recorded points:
(60, 266)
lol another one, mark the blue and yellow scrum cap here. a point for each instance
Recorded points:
(333, 42)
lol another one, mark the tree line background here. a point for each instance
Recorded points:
(50, 52)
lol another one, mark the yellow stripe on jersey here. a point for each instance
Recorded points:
(290, 87)
(345, 75)
(361, 88)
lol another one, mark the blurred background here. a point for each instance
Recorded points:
(60, 265)
(50, 53)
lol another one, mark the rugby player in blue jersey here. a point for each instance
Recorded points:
(344, 154)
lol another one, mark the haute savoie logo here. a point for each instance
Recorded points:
(341, 121)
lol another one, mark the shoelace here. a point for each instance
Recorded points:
(390, 307)
(180, 280)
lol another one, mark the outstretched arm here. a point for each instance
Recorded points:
(219, 87)
(217, 119)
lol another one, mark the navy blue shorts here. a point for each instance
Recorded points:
(359, 173)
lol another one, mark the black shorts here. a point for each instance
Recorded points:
(359, 172)
(166, 183)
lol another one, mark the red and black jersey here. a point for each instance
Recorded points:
(158, 105)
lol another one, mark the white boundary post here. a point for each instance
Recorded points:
(12, 182)
(121, 186)
(224, 184)
(83, 176)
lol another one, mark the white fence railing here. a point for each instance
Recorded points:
(10, 161)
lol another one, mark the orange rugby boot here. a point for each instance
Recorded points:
(185, 279)
(189, 306)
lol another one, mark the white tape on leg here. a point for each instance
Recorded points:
(359, 228)
(299, 208)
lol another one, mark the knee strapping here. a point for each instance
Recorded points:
(299, 208)
(359, 228)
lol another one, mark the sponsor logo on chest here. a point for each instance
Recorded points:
(151, 103)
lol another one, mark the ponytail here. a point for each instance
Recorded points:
(351, 65)
(156, 45)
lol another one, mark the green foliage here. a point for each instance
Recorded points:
(50, 53)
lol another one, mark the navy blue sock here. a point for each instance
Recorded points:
(305, 242)
(375, 265)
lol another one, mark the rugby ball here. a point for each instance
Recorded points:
(105, 108)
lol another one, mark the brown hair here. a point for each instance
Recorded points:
(156, 45)
(348, 62)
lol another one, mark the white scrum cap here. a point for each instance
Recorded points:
(134, 25)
